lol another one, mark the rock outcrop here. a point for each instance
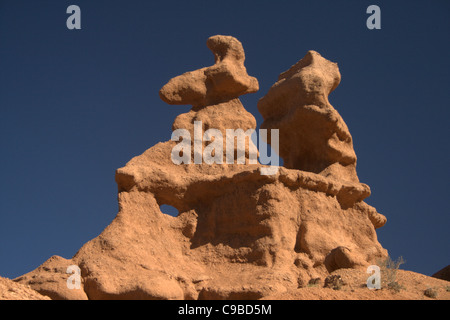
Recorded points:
(239, 234)
(10, 290)
(227, 79)
(313, 136)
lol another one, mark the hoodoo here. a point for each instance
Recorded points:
(239, 234)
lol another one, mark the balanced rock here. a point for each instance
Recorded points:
(239, 234)
(213, 93)
(225, 80)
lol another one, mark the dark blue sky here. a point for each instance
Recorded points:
(78, 104)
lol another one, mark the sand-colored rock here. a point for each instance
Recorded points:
(411, 286)
(230, 115)
(313, 136)
(227, 79)
(50, 279)
(11, 290)
(239, 234)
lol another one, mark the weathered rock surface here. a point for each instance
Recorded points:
(227, 79)
(313, 136)
(10, 290)
(50, 279)
(239, 234)
(411, 286)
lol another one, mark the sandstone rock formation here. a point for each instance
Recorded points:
(227, 79)
(239, 234)
(313, 136)
(10, 290)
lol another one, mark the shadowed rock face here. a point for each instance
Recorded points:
(239, 234)
(443, 274)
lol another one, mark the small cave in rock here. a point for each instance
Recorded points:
(169, 210)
